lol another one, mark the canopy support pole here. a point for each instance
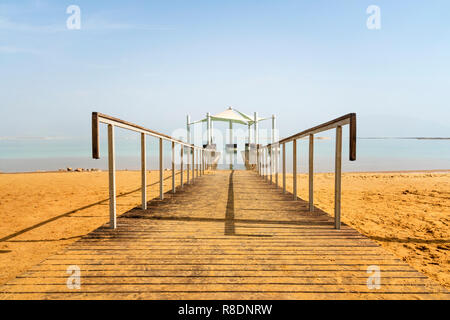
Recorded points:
(188, 129)
(256, 127)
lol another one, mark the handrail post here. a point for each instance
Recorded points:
(161, 172)
(276, 164)
(266, 152)
(284, 167)
(260, 161)
(187, 164)
(173, 167)
(143, 173)
(311, 172)
(270, 163)
(257, 159)
(193, 164)
(294, 168)
(112, 178)
(337, 179)
(197, 162)
(181, 165)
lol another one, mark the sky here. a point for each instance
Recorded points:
(153, 62)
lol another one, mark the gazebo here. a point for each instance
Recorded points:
(232, 116)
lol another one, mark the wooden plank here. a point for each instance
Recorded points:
(183, 249)
(349, 118)
(134, 127)
(95, 136)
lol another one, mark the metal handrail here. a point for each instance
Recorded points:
(268, 162)
(198, 167)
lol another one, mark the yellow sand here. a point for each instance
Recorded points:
(408, 213)
(78, 201)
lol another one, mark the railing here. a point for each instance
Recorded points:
(198, 155)
(267, 159)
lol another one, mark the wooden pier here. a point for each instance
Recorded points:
(230, 235)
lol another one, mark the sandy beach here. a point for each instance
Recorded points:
(43, 212)
(408, 213)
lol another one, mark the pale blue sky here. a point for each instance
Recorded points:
(151, 62)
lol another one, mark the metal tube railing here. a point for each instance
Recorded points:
(338, 123)
(112, 122)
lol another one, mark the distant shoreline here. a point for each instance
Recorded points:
(404, 138)
(344, 172)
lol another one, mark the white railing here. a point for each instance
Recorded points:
(199, 156)
(268, 157)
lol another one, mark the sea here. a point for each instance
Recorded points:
(373, 154)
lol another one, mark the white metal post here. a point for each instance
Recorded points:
(266, 163)
(311, 172)
(143, 173)
(284, 167)
(255, 115)
(294, 168)
(276, 163)
(188, 139)
(161, 170)
(173, 167)
(270, 150)
(257, 160)
(231, 142)
(112, 178)
(208, 129)
(188, 151)
(273, 129)
(193, 164)
(196, 163)
(337, 178)
(181, 164)
(188, 129)
(202, 168)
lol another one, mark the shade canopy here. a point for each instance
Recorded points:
(232, 115)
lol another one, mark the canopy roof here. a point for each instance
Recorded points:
(232, 115)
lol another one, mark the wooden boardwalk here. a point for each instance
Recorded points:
(228, 236)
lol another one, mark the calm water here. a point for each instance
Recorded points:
(372, 155)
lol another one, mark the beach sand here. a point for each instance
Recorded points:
(42, 212)
(408, 213)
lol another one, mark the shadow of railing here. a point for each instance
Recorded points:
(66, 214)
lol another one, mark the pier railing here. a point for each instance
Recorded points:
(196, 156)
(268, 159)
